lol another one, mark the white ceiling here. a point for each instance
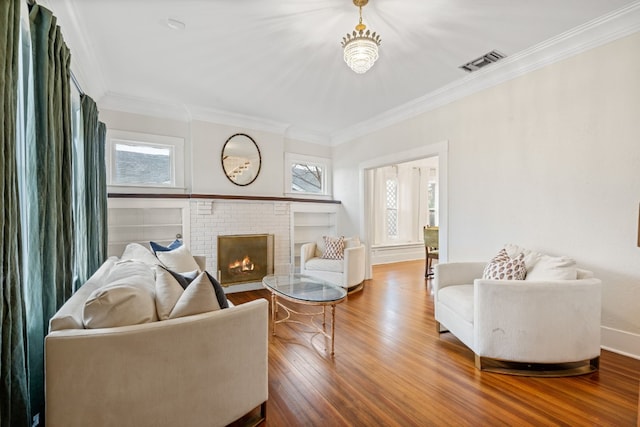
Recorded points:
(281, 60)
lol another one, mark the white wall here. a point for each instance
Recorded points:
(203, 147)
(208, 176)
(549, 160)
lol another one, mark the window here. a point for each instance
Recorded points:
(392, 207)
(431, 199)
(144, 160)
(145, 164)
(306, 178)
(307, 175)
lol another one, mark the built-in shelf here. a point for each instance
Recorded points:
(133, 221)
(308, 224)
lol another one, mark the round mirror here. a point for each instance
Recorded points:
(241, 159)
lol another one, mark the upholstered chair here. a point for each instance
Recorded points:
(547, 324)
(347, 271)
(431, 246)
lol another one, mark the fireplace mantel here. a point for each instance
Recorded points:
(217, 196)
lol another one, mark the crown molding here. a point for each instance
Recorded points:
(307, 136)
(609, 27)
(187, 113)
(235, 119)
(143, 106)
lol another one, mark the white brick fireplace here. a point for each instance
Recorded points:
(210, 218)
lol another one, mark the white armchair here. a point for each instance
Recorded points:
(348, 272)
(544, 322)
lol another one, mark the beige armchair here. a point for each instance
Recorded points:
(347, 272)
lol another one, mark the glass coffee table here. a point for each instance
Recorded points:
(305, 290)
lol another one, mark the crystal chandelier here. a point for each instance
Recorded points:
(360, 47)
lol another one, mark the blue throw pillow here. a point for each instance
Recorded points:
(157, 247)
(185, 279)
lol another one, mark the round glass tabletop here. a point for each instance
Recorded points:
(304, 288)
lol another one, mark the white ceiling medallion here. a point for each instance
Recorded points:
(360, 47)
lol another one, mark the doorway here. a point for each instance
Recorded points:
(373, 224)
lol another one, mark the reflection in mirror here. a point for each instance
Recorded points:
(241, 159)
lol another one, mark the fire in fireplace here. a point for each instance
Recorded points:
(244, 258)
(238, 266)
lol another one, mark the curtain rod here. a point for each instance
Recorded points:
(73, 77)
(76, 83)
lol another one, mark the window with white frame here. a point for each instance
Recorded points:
(144, 160)
(391, 199)
(307, 175)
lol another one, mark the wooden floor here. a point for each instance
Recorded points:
(392, 369)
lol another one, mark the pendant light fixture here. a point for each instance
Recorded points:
(360, 46)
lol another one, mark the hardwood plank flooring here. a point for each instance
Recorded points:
(392, 369)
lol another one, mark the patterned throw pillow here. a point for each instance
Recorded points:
(334, 247)
(501, 267)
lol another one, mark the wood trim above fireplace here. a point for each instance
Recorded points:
(216, 196)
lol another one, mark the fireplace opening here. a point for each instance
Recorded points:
(244, 258)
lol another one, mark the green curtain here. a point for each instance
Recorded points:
(14, 393)
(52, 149)
(37, 252)
(95, 188)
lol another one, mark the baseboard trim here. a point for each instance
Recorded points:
(621, 342)
(396, 253)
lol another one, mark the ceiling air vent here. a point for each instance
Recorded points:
(484, 60)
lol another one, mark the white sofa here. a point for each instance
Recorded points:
(204, 369)
(347, 272)
(547, 322)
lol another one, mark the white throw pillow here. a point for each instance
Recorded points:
(168, 292)
(351, 242)
(137, 252)
(553, 268)
(120, 303)
(179, 260)
(544, 267)
(319, 247)
(198, 297)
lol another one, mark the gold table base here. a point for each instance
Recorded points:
(274, 310)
